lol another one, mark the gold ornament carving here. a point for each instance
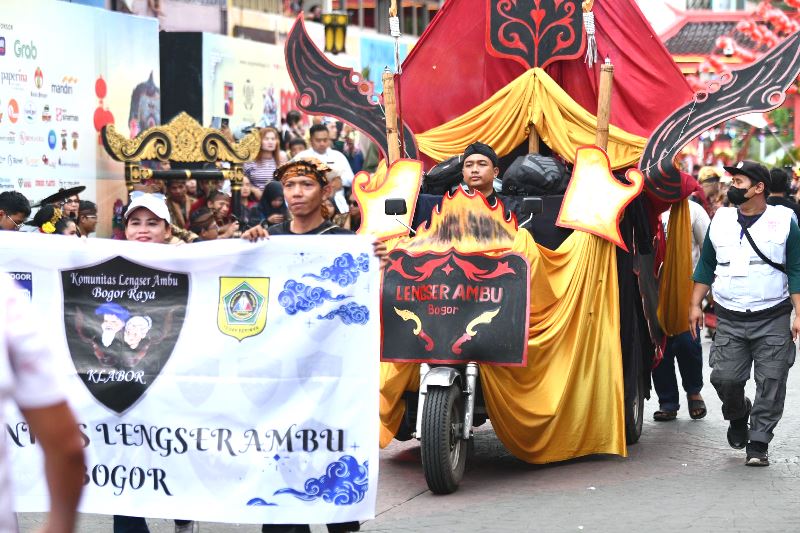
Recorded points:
(181, 140)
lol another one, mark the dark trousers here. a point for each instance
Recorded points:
(136, 524)
(303, 528)
(767, 347)
(689, 354)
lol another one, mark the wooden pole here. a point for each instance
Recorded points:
(604, 104)
(533, 141)
(390, 110)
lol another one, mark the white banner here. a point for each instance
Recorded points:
(224, 381)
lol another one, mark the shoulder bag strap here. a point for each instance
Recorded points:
(759, 253)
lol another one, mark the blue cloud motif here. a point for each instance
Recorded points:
(350, 313)
(344, 271)
(345, 483)
(297, 297)
(258, 502)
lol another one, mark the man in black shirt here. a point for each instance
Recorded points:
(305, 186)
(777, 191)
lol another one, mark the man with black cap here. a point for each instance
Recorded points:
(480, 169)
(751, 257)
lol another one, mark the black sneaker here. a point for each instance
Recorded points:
(757, 454)
(737, 430)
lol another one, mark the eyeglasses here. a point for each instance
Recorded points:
(353, 204)
(89, 216)
(71, 201)
(17, 225)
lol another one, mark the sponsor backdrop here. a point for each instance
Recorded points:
(243, 81)
(60, 83)
(240, 375)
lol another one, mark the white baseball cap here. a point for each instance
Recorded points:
(154, 202)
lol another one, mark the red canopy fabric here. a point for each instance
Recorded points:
(449, 71)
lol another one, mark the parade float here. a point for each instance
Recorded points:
(586, 83)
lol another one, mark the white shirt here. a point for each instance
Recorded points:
(700, 222)
(26, 375)
(334, 159)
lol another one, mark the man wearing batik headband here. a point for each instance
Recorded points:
(305, 187)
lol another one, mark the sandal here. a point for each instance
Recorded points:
(697, 409)
(665, 416)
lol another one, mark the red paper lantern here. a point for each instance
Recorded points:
(100, 87)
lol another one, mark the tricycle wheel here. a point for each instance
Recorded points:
(444, 450)
(634, 408)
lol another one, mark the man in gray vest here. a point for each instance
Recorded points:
(751, 258)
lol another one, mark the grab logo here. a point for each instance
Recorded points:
(13, 111)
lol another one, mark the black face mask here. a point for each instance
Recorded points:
(736, 196)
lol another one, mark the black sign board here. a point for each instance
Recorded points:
(455, 308)
(122, 321)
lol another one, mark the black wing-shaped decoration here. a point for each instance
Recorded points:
(328, 89)
(759, 87)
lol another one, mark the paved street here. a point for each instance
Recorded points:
(682, 475)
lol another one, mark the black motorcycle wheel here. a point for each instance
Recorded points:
(634, 408)
(444, 451)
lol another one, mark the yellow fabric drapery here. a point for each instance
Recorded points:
(535, 98)
(568, 401)
(675, 285)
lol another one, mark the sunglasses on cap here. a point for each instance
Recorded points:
(137, 194)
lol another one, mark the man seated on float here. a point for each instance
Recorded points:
(478, 171)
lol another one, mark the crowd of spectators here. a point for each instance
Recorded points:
(201, 209)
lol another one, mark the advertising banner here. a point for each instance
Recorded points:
(242, 81)
(240, 375)
(60, 83)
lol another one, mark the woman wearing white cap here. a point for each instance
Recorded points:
(147, 220)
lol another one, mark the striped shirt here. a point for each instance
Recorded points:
(260, 172)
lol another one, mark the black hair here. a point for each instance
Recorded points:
(45, 214)
(214, 195)
(297, 140)
(779, 180)
(86, 207)
(200, 220)
(62, 224)
(293, 117)
(316, 128)
(13, 202)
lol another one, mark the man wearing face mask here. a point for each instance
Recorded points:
(751, 258)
